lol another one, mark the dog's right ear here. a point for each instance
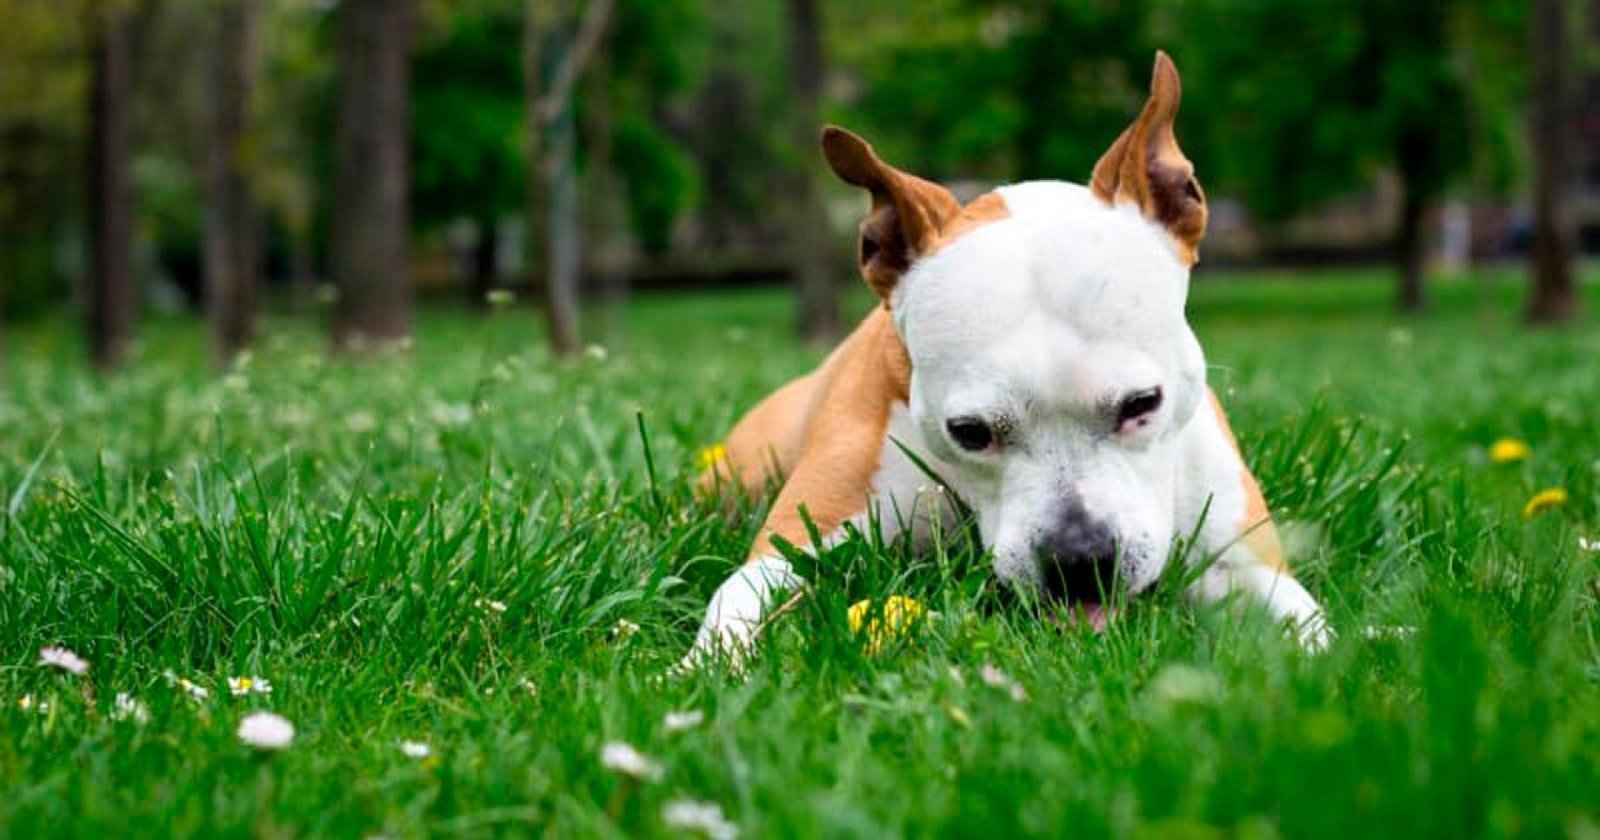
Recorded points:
(907, 212)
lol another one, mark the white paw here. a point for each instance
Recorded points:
(1313, 633)
(736, 613)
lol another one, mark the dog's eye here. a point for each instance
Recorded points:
(970, 433)
(1137, 406)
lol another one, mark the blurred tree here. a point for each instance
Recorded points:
(297, 79)
(810, 241)
(552, 181)
(995, 89)
(370, 209)
(232, 223)
(1373, 84)
(43, 88)
(1553, 296)
(466, 126)
(112, 301)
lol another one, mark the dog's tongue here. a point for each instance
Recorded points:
(1095, 615)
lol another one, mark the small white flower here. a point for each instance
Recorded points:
(194, 690)
(241, 686)
(266, 731)
(624, 630)
(360, 422)
(528, 685)
(704, 817)
(64, 659)
(489, 605)
(1184, 685)
(1388, 631)
(680, 721)
(415, 749)
(27, 703)
(128, 707)
(621, 757)
(996, 678)
(1587, 544)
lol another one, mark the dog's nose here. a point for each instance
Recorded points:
(1079, 560)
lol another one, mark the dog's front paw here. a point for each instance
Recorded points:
(736, 612)
(728, 644)
(1313, 632)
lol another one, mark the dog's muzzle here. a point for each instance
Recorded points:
(1078, 564)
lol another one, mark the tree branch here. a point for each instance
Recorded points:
(590, 31)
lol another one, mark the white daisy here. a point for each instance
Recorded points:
(621, 757)
(128, 707)
(1589, 545)
(704, 817)
(64, 659)
(266, 731)
(624, 629)
(27, 703)
(996, 678)
(415, 749)
(241, 686)
(194, 690)
(680, 721)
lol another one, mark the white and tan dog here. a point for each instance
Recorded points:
(1032, 350)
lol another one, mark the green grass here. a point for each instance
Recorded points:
(341, 530)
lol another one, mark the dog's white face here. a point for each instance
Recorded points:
(1052, 370)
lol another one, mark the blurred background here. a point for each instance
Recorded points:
(354, 160)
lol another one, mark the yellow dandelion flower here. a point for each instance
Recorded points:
(1508, 450)
(1549, 497)
(710, 456)
(900, 615)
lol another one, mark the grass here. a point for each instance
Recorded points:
(349, 532)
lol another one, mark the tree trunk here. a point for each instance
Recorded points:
(538, 19)
(1553, 292)
(112, 298)
(551, 137)
(370, 212)
(816, 288)
(564, 231)
(485, 261)
(1410, 249)
(232, 220)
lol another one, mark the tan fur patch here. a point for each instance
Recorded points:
(825, 432)
(833, 477)
(1256, 530)
(986, 208)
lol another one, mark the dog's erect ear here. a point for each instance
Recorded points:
(907, 212)
(1145, 166)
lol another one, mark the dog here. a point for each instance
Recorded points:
(1031, 350)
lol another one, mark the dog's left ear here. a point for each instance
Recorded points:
(907, 212)
(1146, 167)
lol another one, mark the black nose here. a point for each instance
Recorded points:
(1079, 560)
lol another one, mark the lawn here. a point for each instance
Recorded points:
(497, 555)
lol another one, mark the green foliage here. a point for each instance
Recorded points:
(351, 532)
(1288, 114)
(43, 85)
(661, 182)
(467, 123)
(998, 89)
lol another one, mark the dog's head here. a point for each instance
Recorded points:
(1052, 367)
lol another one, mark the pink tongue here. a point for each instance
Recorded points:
(1095, 615)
